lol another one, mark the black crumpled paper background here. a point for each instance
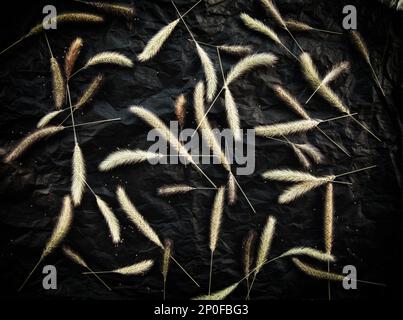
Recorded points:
(368, 222)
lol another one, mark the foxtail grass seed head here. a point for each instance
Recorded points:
(283, 129)
(272, 9)
(174, 189)
(232, 115)
(312, 152)
(126, 157)
(115, 9)
(216, 218)
(219, 295)
(166, 257)
(328, 219)
(58, 84)
(136, 217)
(359, 43)
(89, 92)
(155, 44)
(266, 239)
(301, 157)
(309, 252)
(110, 218)
(62, 227)
(26, 143)
(71, 56)
(206, 130)
(135, 269)
(79, 176)
(237, 50)
(47, 118)
(312, 76)
(109, 57)
(231, 190)
(290, 176)
(248, 251)
(294, 25)
(316, 273)
(73, 17)
(74, 256)
(180, 110)
(209, 71)
(260, 27)
(291, 101)
(299, 190)
(248, 63)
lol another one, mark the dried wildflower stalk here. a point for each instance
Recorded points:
(59, 233)
(155, 44)
(29, 141)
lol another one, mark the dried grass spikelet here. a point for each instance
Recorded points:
(265, 242)
(135, 269)
(110, 218)
(180, 110)
(310, 252)
(166, 258)
(272, 9)
(47, 118)
(360, 45)
(67, 18)
(248, 253)
(157, 41)
(301, 157)
(209, 71)
(155, 122)
(62, 227)
(219, 295)
(216, 218)
(286, 128)
(328, 218)
(232, 115)
(312, 152)
(248, 63)
(126, 157)
(291, 101)
(231, 190)
(109, 57)
(236, 49)
(74, 256)
(290, 176)
(295, 25)
(58, 83)
(316, 273)
(174, 189)
(300, 189)
(89, 92)
(259, 26)
(207, 132)
(71, 56)
(136, 217)
(30, 140)
(79, 176)
(115, 9)
(312, 76)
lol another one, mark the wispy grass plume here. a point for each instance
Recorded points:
(79, 176)
(136, 217)
(290, 176)
(316, 273)
(126, 157)
(30, 140)
(295, 25)
(232, 115)
(71, 56)
(47, 118)
(126, 11)
(110, 218)
(166, 258)
(231, 190)
(248, 254)
(310, 252)
(219, 295)
(312, 152)
(134, 269)
(209, 71)
(58, 83)
(238, 50)
(174, 189)
(328, 218)
(283, 129)
(301, 156)
(109, 57)
(155, 44)
(89, 92)
(291, 101)
(180, 110)
(299, 190)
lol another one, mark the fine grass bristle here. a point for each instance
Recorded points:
(79, 176)
(219, 295)
(136, 217)
(316, 273)
(109, 57)
(89, 92)
(287, 128)
(126, 157)
(58, 83)
(71, 56)
(155, 44)
(209, 71)
(30, 140)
